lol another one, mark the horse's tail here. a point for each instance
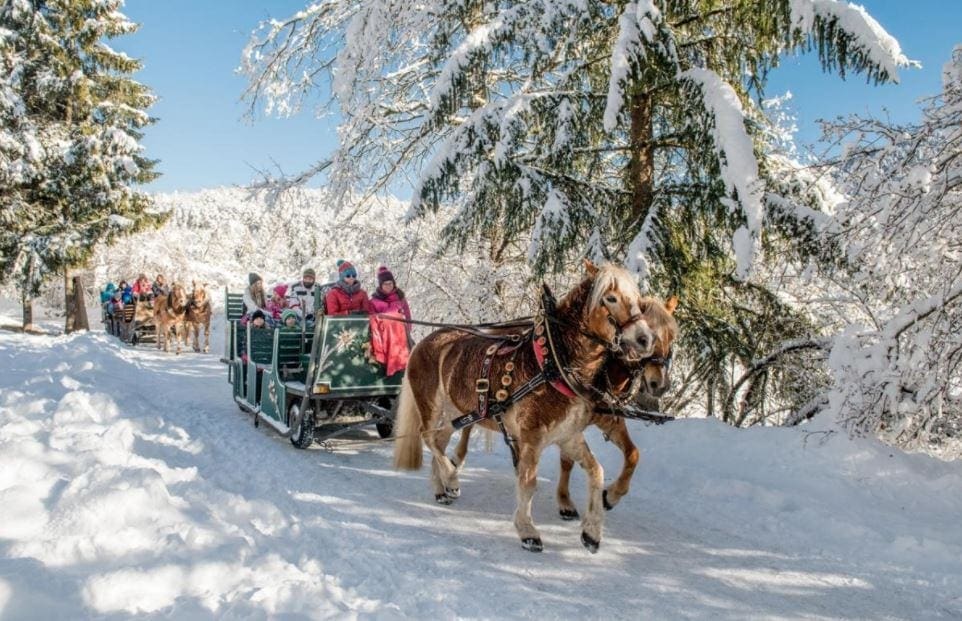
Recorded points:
(407, 430)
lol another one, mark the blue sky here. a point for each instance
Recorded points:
(191, 48)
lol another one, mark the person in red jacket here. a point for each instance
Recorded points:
(347, 296)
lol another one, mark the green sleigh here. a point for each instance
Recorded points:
(311, 385)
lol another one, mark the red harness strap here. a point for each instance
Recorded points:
(538, 343)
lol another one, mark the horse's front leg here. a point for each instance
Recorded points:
(593, 521)
(566, 508)
(617, 432)
(206, 337)
(528, 455)
(194, 331)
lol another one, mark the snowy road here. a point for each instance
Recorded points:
(131, 485)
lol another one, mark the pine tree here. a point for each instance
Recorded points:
(70, 156)
(625, 130)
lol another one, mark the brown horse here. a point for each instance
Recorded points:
(170, 317)
(616, 379)
(655, 380)
(198, 315)
(604, 313)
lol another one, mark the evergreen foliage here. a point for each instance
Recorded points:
(631, 131)
(70, 123)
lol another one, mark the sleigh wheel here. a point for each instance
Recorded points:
(302, 430)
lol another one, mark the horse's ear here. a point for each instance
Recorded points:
(671, 304)
(590, 268)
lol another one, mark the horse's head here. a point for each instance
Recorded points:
(656, 368)
(614, 313)
(199, 293)
(178, 296)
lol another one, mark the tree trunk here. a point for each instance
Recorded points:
(27, 303)
(74, 305)
(641, 168)
(80, 304)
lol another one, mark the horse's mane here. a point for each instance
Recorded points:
(612, 277)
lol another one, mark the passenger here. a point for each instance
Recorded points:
(142, 289)
(347, 296)
(388, 298)
(259, 319)
(160, 286)
(127, 294)
(108, 293)
(278, 303)
(290, 320)
(254, 294)
(305, 294)
(116, 304)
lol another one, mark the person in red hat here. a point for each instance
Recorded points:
(346, 296)
(278, 302)
(388, 298)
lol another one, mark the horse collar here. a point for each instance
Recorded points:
(543, 343)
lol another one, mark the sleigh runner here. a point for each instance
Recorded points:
(309, 384)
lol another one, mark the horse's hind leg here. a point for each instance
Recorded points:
(593, 521)
(444, 474)
(617, 432)
(461, 450)
(566, 508)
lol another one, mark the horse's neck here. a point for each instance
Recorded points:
(585, 357)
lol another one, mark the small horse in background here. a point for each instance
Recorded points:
(198, 315)
(602, 314)
(170, 317)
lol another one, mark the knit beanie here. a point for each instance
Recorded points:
(345, 269)
(309, 272)
(384, 275)
(280, 290)
(252, 278)
(289, 313)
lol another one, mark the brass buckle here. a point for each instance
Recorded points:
(482, 385)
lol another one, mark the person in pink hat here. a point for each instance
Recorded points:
(389, 298)
(278, 302)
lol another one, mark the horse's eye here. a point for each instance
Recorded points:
(610, 299)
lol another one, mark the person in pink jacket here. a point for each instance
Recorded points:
(388, 298)
(347, 297)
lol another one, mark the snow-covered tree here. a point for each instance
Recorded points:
(629, 130)
(70, 124)
(897, 368)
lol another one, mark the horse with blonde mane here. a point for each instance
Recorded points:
(617, 379)
(198, 315)
(554, 363)
(170, 317)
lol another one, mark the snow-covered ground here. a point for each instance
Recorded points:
(130, 485)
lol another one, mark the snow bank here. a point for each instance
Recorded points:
(131, 485)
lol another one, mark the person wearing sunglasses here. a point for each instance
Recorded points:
(347, 297)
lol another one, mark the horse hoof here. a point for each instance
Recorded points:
(443, 499)
(604, 501)
(452, 492)
(532, 544)
(568, 514)
(590, 543)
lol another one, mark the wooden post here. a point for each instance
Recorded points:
(74, 305)
(27, 304)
